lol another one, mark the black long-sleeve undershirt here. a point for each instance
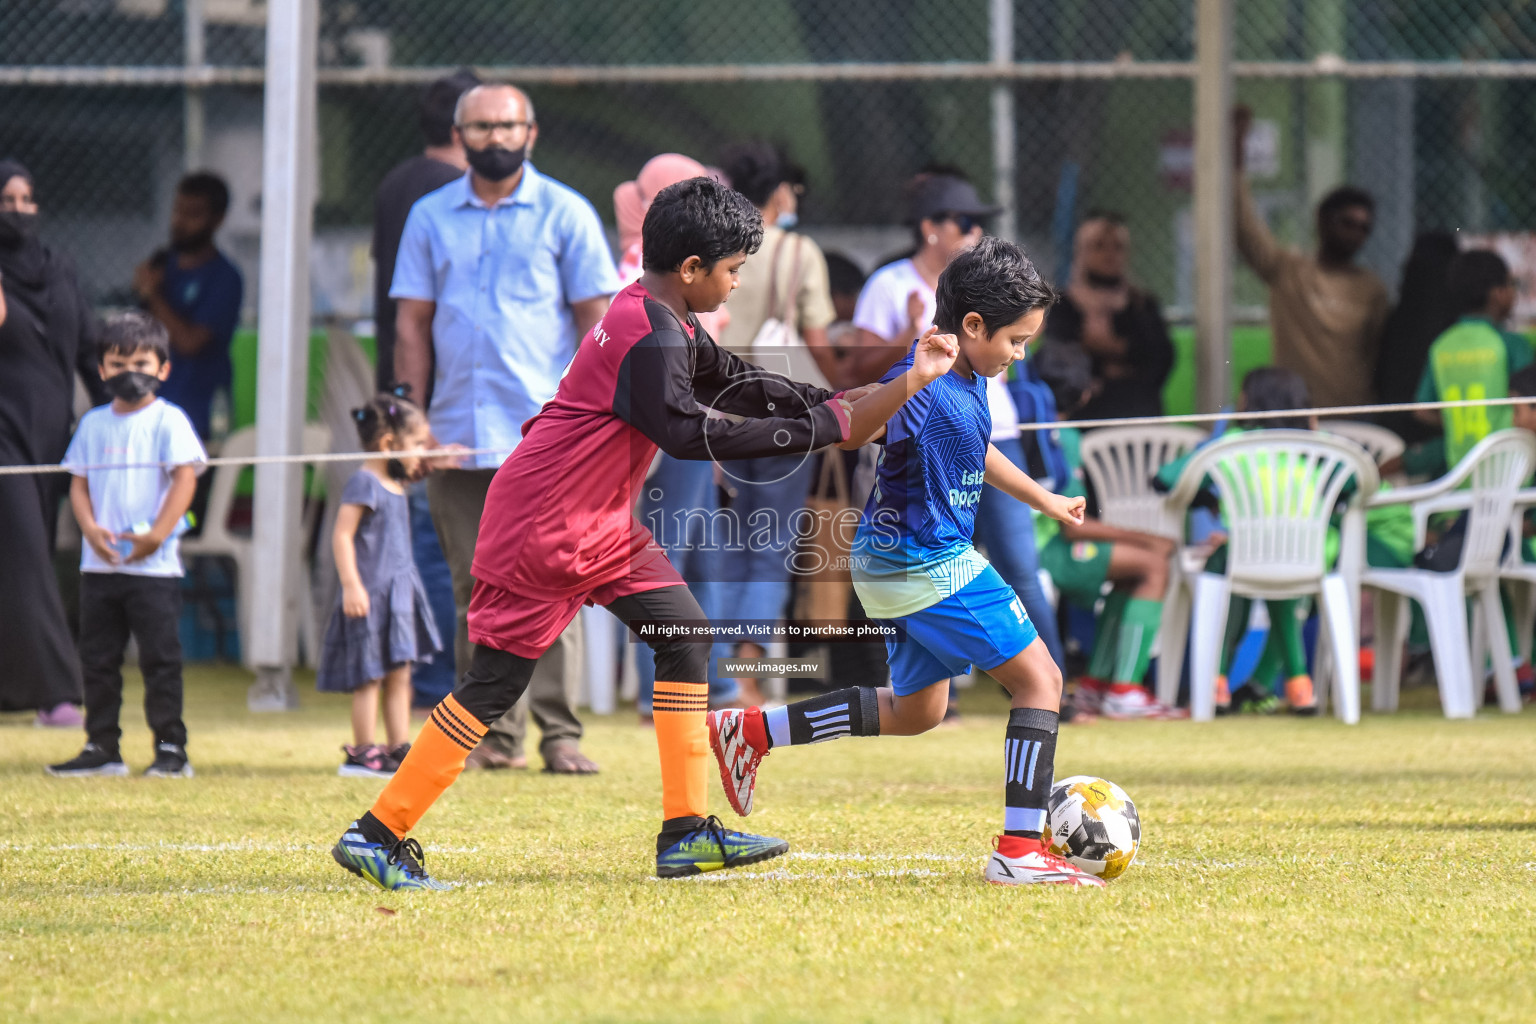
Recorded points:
(666, 377)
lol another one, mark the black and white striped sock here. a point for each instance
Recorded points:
(854, 711)
(1029, 768)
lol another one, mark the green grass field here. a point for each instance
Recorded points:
(1290, 870)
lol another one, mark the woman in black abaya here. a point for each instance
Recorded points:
(47, 332)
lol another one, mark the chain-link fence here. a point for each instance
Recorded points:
(109, 100)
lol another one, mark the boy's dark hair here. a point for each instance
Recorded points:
(755, 169)
(843, 275)
(1342, 198)
(1522, 383)
(1473, 275)
(1066, 369)
(698, 217)
(385, 414)
(438, 104)
(134, 331)
(209, 187)
(1271, 389)
(993, 278)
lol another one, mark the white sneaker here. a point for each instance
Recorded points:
(1126, 701)
(1019, 861)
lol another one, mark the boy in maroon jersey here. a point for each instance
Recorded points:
(559, 530)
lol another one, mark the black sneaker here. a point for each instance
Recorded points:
(93, 760)
(170, 763)
(395, 755)
(1249, 699)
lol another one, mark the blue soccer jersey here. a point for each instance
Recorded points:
(913, 546)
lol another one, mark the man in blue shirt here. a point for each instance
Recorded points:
(499, 275)
(196, 292)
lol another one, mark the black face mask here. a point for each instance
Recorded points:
(396, 470)
(192, 243)
(495, 163)
(1104, 280)
(17, 227)
(131, 386)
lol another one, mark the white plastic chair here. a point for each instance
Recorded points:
(1522, 575)
(1493, 472)
(218, 540)
(1382, 443)
(1120, 463)
(1279, 490)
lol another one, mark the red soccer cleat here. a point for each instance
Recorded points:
(740, 742)
(1020, 861)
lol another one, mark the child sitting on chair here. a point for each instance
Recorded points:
(1389, 543)
(1082, 557)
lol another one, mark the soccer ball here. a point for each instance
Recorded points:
(1094, 825)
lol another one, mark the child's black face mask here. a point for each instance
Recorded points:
(132, 386)
(396, 470)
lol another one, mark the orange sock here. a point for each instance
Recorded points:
(683, 741)
(435, 760)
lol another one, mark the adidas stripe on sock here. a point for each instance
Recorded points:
(1029, 768)
(854, 711)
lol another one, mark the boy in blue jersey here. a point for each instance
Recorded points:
(914, 564)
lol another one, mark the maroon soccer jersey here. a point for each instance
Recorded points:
(559, 518)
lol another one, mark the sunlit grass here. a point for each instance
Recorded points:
(1291, 870)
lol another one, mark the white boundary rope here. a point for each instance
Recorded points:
(265, 460)
(1334, 412)
(1328, 412)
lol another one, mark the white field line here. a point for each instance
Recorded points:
(240, 847)
(781, 875)
(811, 855)
(824, 856)
(254, 890)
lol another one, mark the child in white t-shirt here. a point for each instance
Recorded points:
(135, 464)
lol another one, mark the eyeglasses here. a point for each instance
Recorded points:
(482, 129)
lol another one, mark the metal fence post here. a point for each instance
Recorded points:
(194, 115)
(1004, 145)
(1213, 203)
(287, 173)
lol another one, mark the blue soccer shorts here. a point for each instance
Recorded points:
(982, 624)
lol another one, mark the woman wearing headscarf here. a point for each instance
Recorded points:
(1424, 309)
(1119, 325)
(47, 333)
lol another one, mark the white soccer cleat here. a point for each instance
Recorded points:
(1020, 861)
(737, 756)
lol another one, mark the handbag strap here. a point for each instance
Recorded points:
(833, 480)
(794, 277)
(773, 276)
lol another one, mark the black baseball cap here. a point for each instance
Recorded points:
(939, 194)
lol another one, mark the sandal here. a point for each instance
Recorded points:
(567, 759)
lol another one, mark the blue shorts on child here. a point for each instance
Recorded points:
(982, 624)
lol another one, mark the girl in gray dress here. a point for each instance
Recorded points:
(382, 621)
